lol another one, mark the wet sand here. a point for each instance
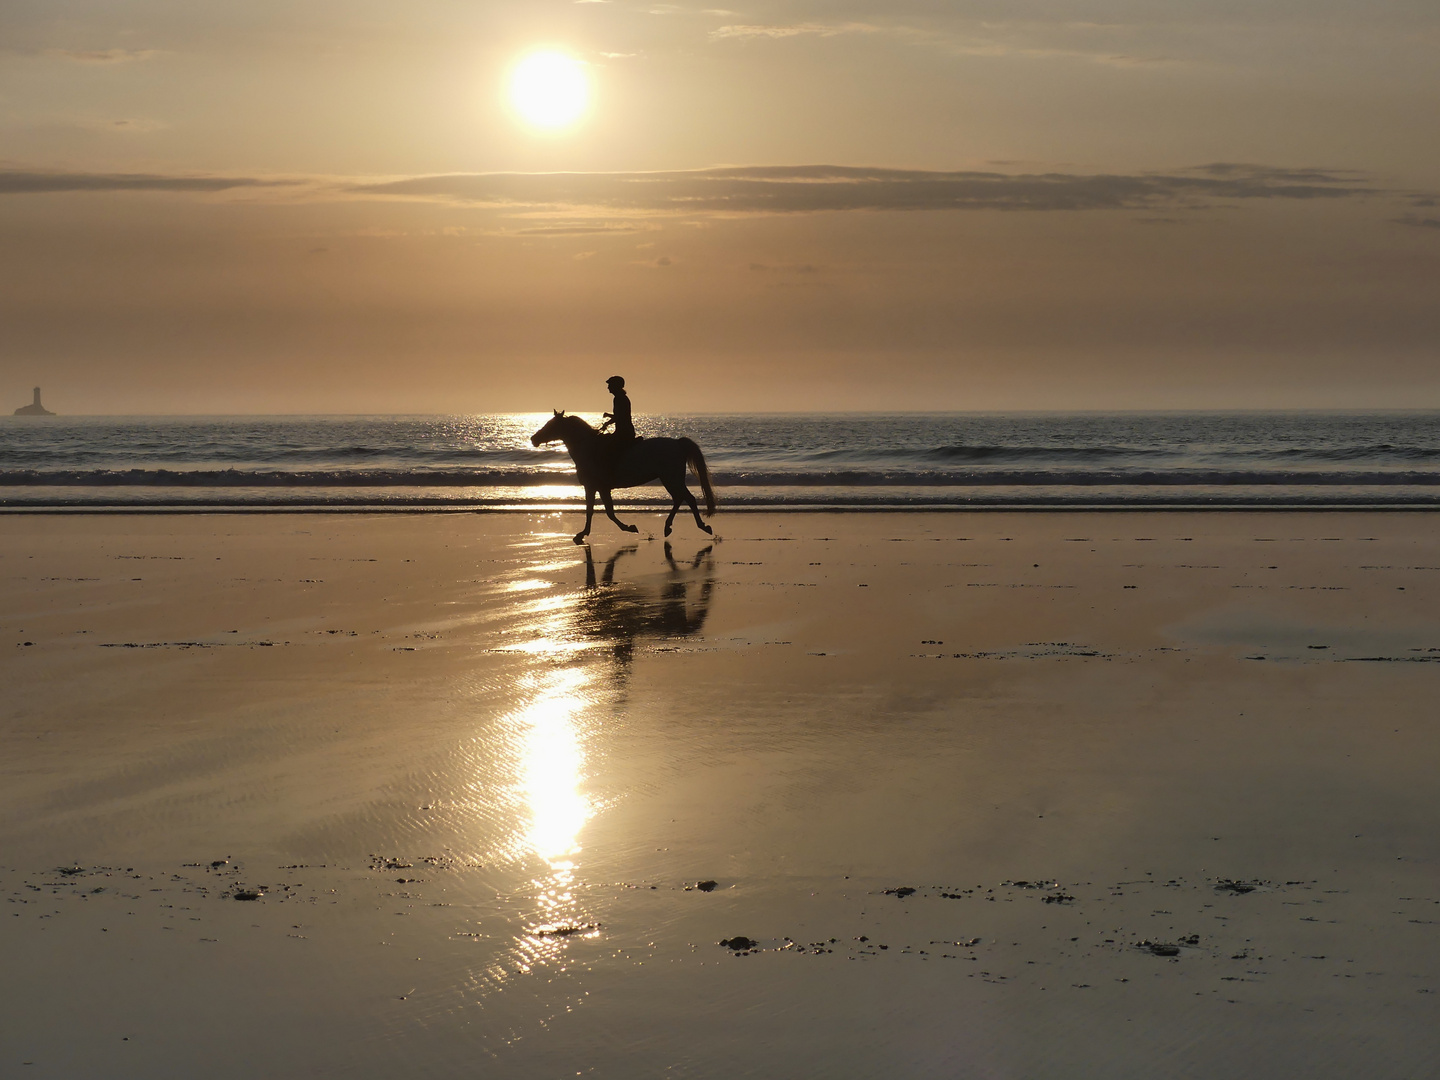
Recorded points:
(994, 795)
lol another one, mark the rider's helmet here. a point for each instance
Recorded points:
(615, 382)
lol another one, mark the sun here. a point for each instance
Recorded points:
(550, 90)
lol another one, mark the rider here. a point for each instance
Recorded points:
(624, 426)
(618, 443)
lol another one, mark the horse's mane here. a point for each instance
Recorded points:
(574, 421)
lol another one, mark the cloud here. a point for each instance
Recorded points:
(575, 230)
(127, 125)
(1317, 176)
(1418, 222)
(36, 182)
(772, 189)
(742, 32)
(993, 40)
(100, 56)
(756, 189)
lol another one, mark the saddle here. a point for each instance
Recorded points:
(615, 449)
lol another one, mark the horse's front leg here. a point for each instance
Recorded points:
(589, 514)
(610, 513)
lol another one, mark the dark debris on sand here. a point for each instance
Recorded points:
(739, 944)
(1093, 931)
(1238, 888)
(1094, 940)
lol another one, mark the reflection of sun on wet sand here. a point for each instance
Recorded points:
(551, 773)
(1017, 795)
(612, 615)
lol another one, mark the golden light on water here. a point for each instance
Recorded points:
(551, 777)
(572, 646)
(550, 90)
(552, 768)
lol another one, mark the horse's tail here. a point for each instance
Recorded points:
(696, 460)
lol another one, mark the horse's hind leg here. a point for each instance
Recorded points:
(695, 509)
(610, 513)
(670, 521)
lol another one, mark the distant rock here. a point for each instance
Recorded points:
(34, 408)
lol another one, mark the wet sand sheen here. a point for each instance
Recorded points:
(1032, 795)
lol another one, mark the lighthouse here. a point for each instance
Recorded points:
(34, 408)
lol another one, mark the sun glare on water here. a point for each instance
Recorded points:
(550, 90)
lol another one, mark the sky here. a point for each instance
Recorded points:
(329, 207)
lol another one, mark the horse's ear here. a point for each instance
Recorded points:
(557, 412)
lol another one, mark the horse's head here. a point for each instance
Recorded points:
(553, 431)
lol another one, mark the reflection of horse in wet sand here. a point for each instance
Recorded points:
(620, 614)
(644, 460)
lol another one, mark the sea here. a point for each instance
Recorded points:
(757, 461)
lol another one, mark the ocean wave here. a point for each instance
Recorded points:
(1375, 454)
(840, 478)
(1082, 478)
(1057, 454)
(273, 458)
(270, 478)
(889, 499)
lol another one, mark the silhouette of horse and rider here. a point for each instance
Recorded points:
(670, 607)
(606, 461)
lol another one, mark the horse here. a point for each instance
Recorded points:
(643, 461)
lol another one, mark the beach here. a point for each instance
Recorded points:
(990, 794)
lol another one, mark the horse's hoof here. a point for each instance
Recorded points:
(708, 529)
(580, 538)
(667, 530)
(631, 528)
